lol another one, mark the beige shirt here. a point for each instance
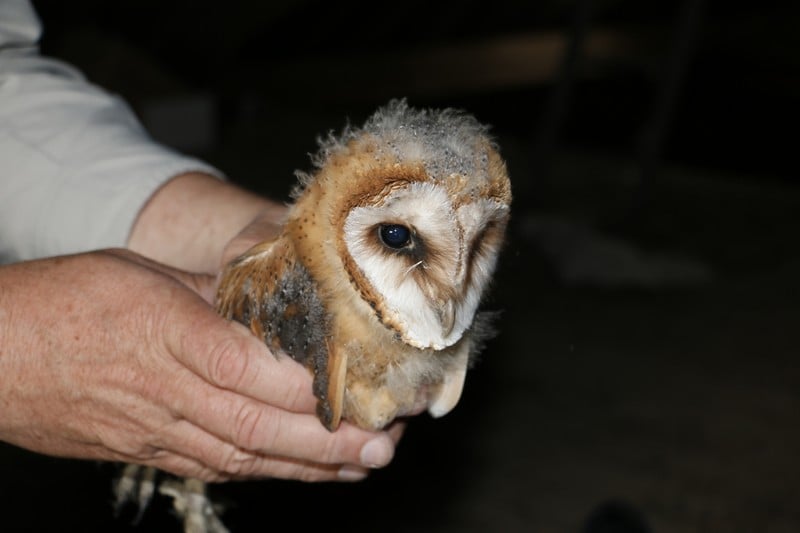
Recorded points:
(76, 166)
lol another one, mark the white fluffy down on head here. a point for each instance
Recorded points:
(443, 140)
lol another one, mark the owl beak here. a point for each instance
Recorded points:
(446, 313)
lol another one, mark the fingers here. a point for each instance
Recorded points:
(257, 467)
(201, 284)
(269, 421)
(257, 427)
(396, 430)
(204, 285)
(211, 459)
(226, 355)
(252, 415)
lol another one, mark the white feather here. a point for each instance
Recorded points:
(427, 207)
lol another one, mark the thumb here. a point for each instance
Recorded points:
(203, 284)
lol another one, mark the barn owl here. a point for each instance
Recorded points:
(375, 281)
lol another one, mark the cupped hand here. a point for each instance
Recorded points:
(107, 355)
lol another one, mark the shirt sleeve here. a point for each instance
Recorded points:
(76, 166)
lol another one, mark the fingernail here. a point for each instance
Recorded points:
(352, 473)
(377, 452)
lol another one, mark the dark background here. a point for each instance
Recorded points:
(645, 374)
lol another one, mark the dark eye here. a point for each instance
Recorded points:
(395, 235)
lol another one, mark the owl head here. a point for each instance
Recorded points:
(418, 202)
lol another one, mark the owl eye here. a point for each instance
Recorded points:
(395, 235)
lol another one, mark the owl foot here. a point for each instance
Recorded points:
(137, 486)
(191, 502)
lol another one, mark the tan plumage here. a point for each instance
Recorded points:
(387, 331)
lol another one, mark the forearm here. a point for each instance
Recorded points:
(76, 166)
(189, 221)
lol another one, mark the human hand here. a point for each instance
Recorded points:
(109, 356)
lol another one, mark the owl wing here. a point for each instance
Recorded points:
(270, 291)
(248, 280)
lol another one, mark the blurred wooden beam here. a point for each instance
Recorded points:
(467, 67)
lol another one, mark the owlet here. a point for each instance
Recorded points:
(376, 278)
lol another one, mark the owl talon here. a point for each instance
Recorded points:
(190, 501)
(137, 486)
